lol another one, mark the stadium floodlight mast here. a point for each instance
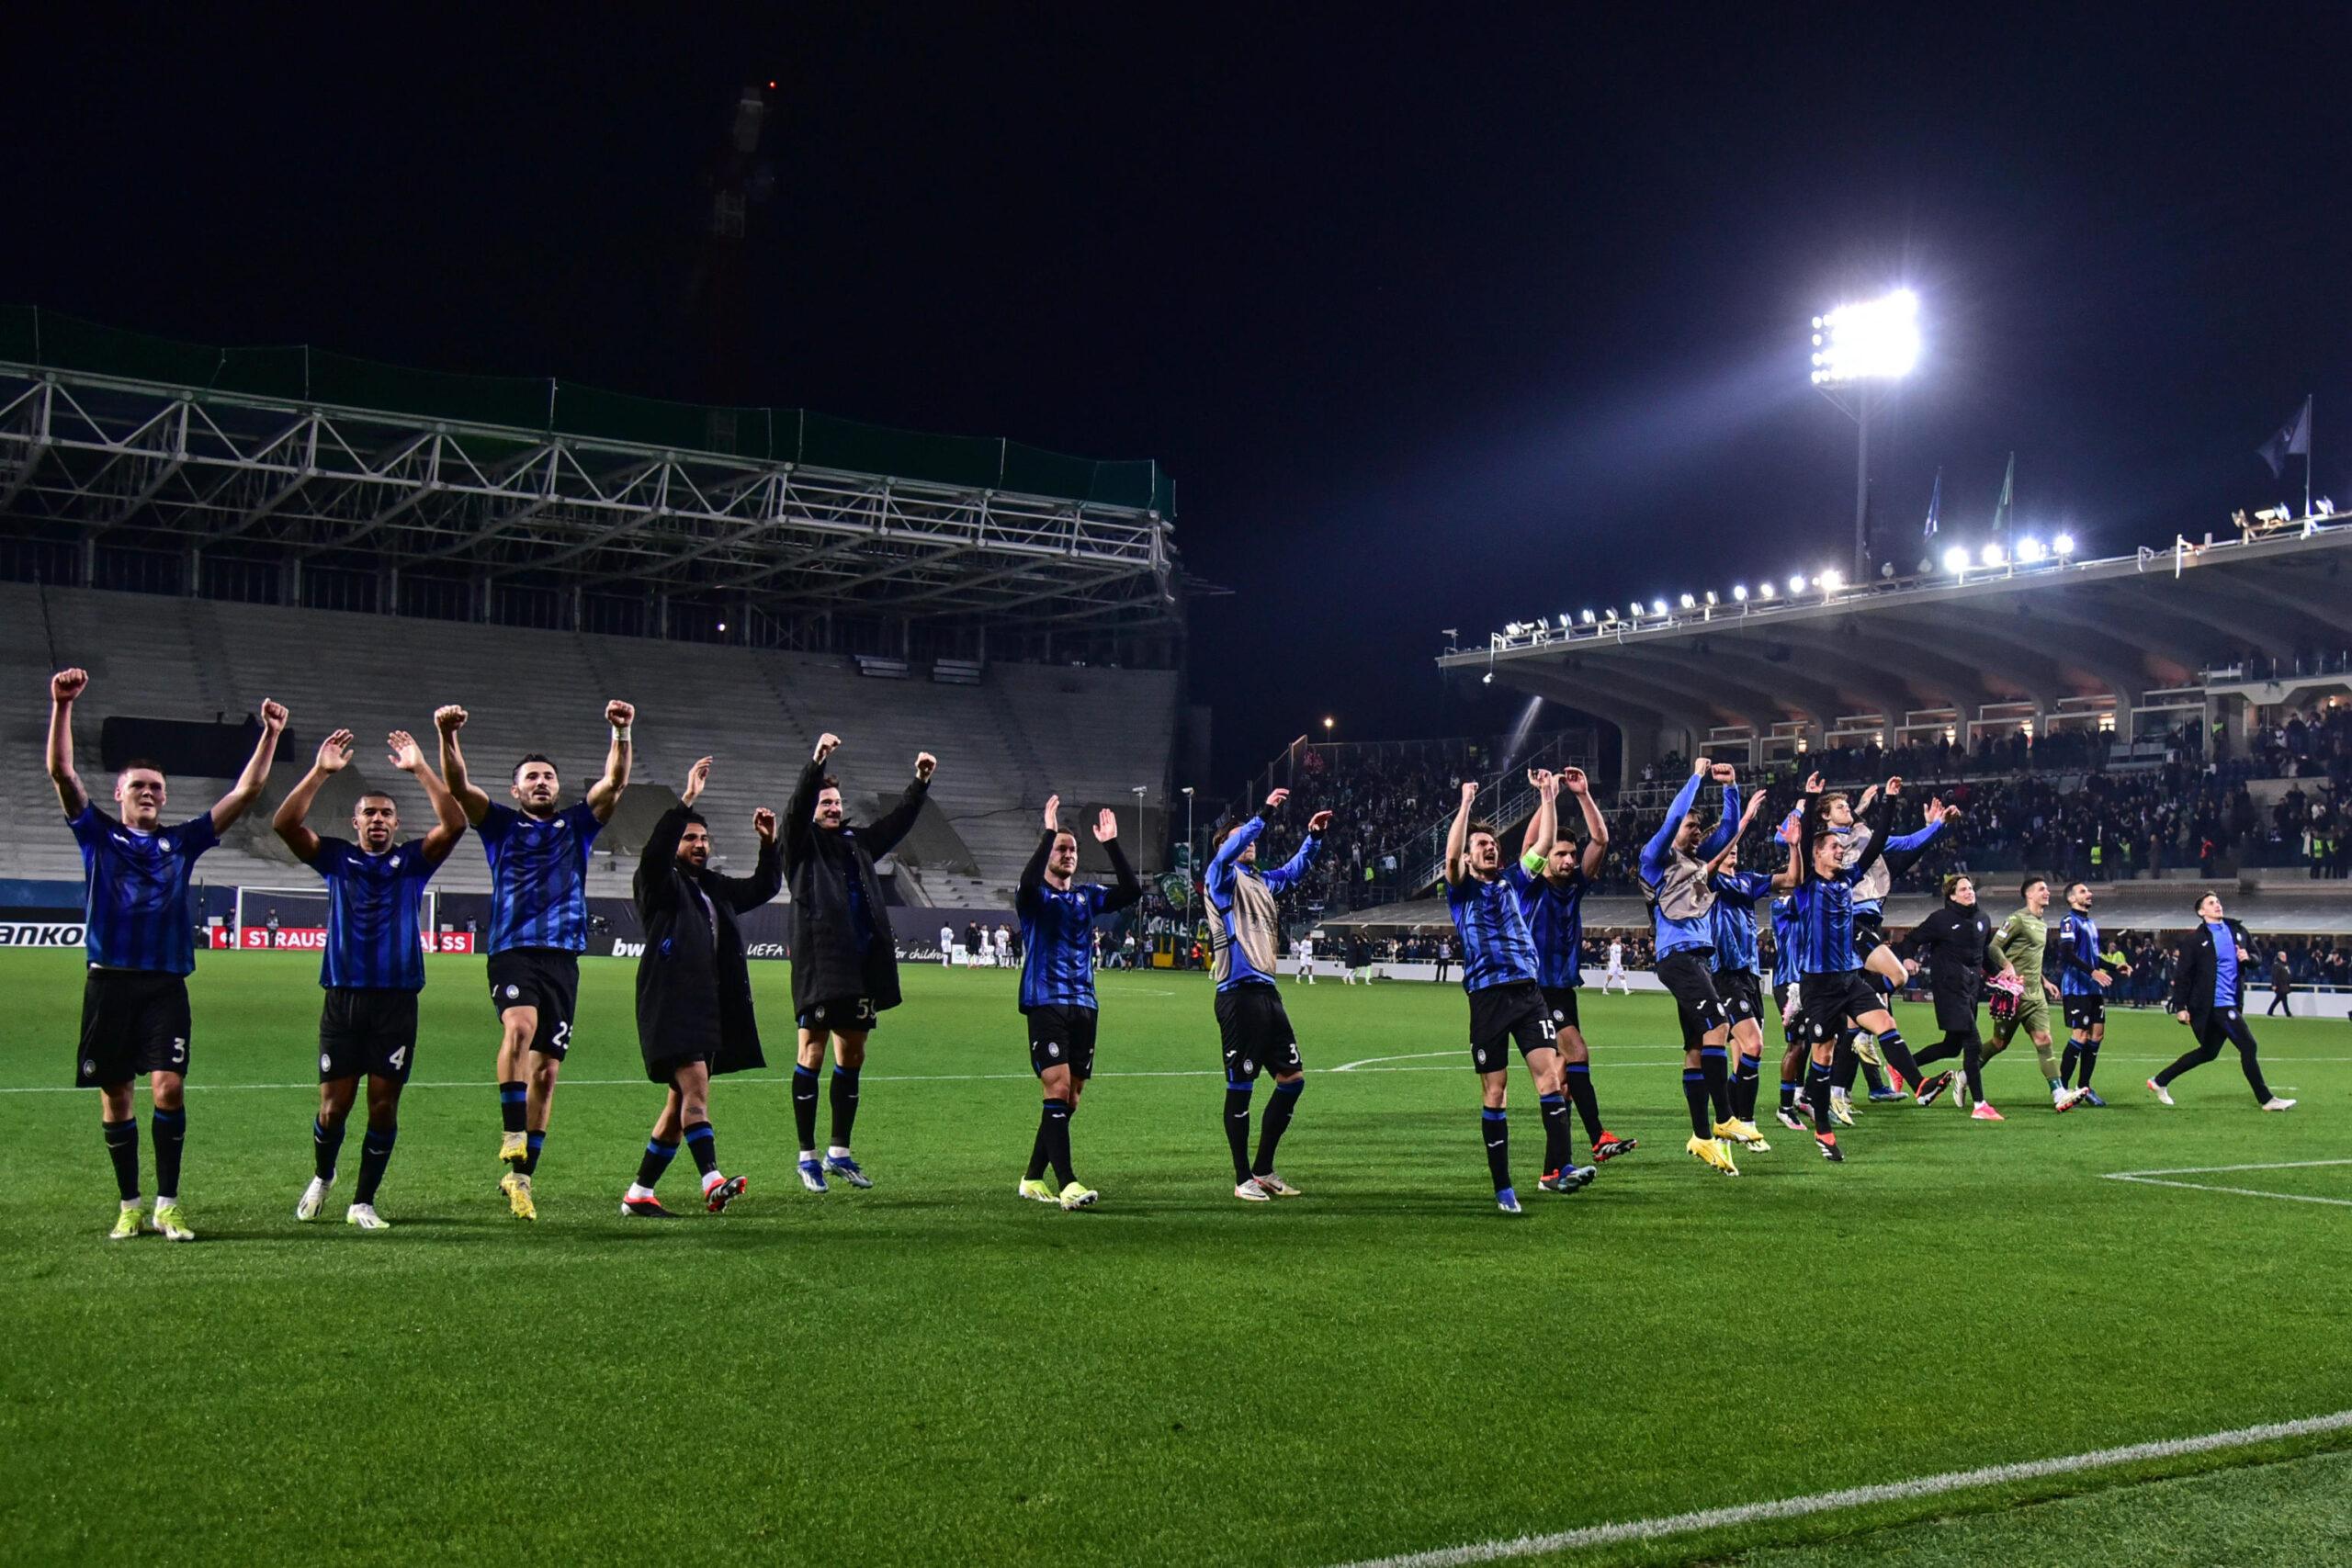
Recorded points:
(1189, 868)
(1858, 350)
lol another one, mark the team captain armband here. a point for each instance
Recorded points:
(1532, 862)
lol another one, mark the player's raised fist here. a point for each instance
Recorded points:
(1700, 766)
(763, 824)
(1319, 822)
(925, 763)
(273, 715)
(1574, 781)
(1723, 772)
(620, 715)
(1894, 785)
(67, 684)
(1053, 814)
(1813, 784)
(449, 718)
(335, 752)
(1274, 801)
(1469, 790)
(697, 777)
(406, 755)
(827, 744)
(1106, 827)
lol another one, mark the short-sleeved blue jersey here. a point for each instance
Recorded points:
(1554, 912)
(373, 940)
(1497, 947)
(1057, 944)
(138, 913)
(538, 876)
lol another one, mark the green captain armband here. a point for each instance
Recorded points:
(1532, 862)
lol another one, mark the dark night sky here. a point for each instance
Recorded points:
(1437, 322)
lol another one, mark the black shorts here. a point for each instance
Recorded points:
(369, 1031)
(1870, 936)
(1256, 1033)
(133, 1021)
(1692, 984)
(1742, 994)
(1830, 999)
(841, 1015)
(1500, 1014)
(665, 1069)
(2085, 1012)
(1061, 1037)
(547, 978)
(1560, 1000)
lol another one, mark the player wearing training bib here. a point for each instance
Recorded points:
(1057, 915)
(2023, 939)
(1498, 971)
(1253, 1029)
(374, 965)
(1553, 905)
(539, 927)
(2083, 980)
(1739, 974)
(138, 926)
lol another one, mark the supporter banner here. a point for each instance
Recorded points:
(313, 938)
(41, 934)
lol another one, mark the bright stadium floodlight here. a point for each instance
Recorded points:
(1831, 581)
(1587, 617)
(1710, 598)
(1657, 608)
(1956, 558)
(1796, 583)
(1858, 349)
(1765, 591)
(2064, 545)
(1688, 603)
(2030, 550)
(1991, 554)
(1740, 593)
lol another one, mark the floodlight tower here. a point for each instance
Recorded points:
(1858, 350)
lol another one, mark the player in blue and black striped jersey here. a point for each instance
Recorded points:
(374, 965)
(2083, 980)
(1057, 914)
(538, 926)
(1498, 970)
(1739, 972)
(1553, 904)
(139, 932)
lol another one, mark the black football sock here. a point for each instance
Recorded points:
(1869, 1070)
(1587, 1102)
(1276, 1121)
(844, 1096)
(1042, 1147)
(1818, 1077)
(1237, 1126)
(703, 1144)
(2067, 1060)
(122, 1147)
(1745, 1083)
(654, 1162)
(1897, 1052)
(1559, 1152)
(2089, 1061)
(1843, 1066)
(529, 1164)
(1494, 1126)
(375, 1154)
(804, 1107)
(1714, 1063)
(511, 1098)
(1971, 1062)
(1788, 1094)
(169, 1129)
(1057, 1140)
(325, 1143)
(1694, 1091)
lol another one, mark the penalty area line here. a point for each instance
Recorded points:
(1859, 1497)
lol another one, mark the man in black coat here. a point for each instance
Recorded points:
(2208, 995)
(694, 988)
(844, 966)
(1955, 946)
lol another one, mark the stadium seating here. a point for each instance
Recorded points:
(1022, 733)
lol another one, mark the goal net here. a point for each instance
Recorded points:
(295, 919)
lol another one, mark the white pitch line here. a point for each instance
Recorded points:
(1857, 1496)
(2154, 1179)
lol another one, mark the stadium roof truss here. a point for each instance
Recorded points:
(109, 457)
(2000, 641)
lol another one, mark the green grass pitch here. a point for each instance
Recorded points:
(933, 1371)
